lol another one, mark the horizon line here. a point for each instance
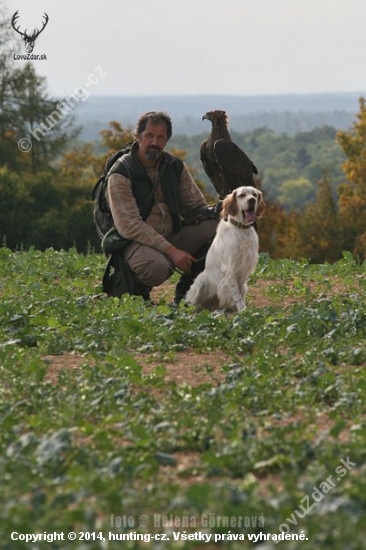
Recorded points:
(280, 94)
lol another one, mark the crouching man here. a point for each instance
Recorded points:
(160, 213)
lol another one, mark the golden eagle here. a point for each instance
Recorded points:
(227, 166)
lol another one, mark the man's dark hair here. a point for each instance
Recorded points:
(156, 117)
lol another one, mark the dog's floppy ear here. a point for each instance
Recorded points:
(229, 205)
(261, 205)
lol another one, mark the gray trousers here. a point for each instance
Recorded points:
(152, 267)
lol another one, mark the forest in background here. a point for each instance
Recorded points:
(314, 182)
(289, 166)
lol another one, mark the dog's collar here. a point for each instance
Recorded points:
(239, 224)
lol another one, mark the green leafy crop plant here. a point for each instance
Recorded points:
(112, 408)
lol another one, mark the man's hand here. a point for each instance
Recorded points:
(181, 259)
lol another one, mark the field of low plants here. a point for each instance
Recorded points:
(122, 418)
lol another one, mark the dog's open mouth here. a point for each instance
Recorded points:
(249, 216)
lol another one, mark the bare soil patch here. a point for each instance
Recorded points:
(56, 363)
(187, 367)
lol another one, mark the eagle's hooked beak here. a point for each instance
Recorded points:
(205, 117)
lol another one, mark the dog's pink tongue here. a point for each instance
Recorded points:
(249, 217)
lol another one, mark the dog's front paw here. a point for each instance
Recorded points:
(240, 306)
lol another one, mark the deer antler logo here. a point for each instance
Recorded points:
(29, 41)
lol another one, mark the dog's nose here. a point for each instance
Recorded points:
(251, 202)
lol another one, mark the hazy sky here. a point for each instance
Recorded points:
(239, 47)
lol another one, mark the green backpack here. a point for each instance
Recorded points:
(101, 212)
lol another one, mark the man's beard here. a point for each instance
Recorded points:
(153, 153)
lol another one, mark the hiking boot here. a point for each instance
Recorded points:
(139, 289)
(145, 292)
(182, 287)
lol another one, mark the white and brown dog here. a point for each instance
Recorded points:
(233, 255)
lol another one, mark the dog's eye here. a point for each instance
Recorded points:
(242, 195)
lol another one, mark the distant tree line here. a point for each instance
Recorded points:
(283, 122)
(314, 182)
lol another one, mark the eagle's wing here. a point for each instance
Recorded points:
(212, 169)
(205, 159)
(235, 165)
